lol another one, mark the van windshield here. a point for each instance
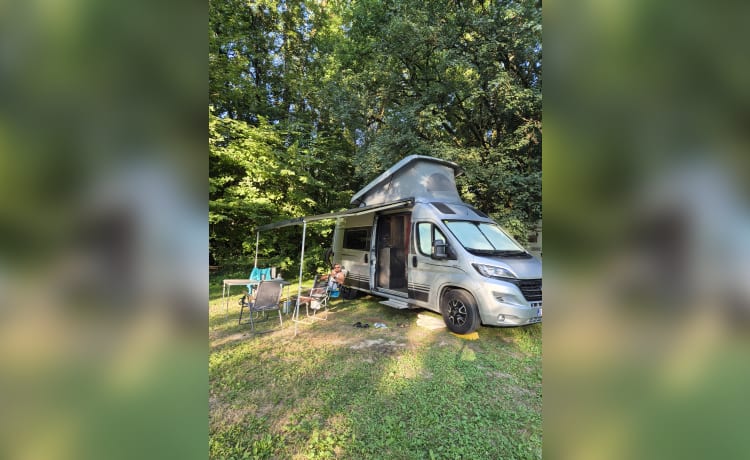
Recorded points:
(484, 238)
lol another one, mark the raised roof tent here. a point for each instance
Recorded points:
(416, 176)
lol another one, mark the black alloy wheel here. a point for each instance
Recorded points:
(460, 312)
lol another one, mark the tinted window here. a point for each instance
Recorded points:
(357, 239)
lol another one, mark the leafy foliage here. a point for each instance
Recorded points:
(309, 101)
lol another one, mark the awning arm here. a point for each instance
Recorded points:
(332, 215)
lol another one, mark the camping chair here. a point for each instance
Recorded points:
(320, 294)
(267, 298)
(317, 298)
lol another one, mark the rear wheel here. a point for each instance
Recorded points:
(460, 311)
(349, 293)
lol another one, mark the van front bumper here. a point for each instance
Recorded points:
(506, 306)
(508, 315)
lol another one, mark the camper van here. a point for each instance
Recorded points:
(411, 240)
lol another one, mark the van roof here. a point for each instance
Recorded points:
(415, 176)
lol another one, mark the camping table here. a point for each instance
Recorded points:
(227, 284)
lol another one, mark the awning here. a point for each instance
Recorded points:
(333, 215)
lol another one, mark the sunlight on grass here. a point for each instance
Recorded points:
(337, 391)
(400, 372)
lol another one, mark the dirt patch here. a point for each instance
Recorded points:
(229, 338)
(367, 344)
(430, 322)
(213, 402)
(500, 375)
(381, 347)
(265, 410)
(377, 344)
(223, 414)
(521, 391)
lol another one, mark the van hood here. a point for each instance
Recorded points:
(524, 268)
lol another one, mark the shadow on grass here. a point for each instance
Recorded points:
(336, 391)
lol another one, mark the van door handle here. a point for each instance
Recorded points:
(413, 261)
(365, 258)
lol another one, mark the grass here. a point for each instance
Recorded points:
(336, 391)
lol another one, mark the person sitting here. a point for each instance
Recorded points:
(335, 278)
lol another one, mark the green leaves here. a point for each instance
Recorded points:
(310, 101)
(454, 81)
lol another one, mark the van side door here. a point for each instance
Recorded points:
(423, 266)
(355, 256)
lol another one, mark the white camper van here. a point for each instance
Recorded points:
(412, 240)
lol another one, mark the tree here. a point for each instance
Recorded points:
(274, 149)
(309, 101)
(460, 80)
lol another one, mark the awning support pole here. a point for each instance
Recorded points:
(301, 265)
(257, 238)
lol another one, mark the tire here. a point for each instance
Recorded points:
(460, 311)
(349, 293)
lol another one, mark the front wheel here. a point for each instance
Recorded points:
(460, 311)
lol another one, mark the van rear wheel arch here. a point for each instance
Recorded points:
(459, 310)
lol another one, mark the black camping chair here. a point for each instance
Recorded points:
(267, 298)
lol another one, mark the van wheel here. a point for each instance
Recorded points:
(349, 293)
(460, 311)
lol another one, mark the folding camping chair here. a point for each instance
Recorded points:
(317, 298)
(267, 298)
(320, 294)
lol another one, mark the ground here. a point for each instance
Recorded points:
(338, 391)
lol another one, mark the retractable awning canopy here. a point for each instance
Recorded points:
(333, 215)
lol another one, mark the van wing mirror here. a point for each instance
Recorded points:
(439, 249)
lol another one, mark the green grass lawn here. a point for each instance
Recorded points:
(336, 391)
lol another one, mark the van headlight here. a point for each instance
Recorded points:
(490, 271)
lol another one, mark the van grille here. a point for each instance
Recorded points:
(531, 289)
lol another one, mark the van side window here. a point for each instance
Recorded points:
(438, 235)
(426, 234)
(357, 238)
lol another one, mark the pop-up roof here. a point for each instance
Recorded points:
(420, 177)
